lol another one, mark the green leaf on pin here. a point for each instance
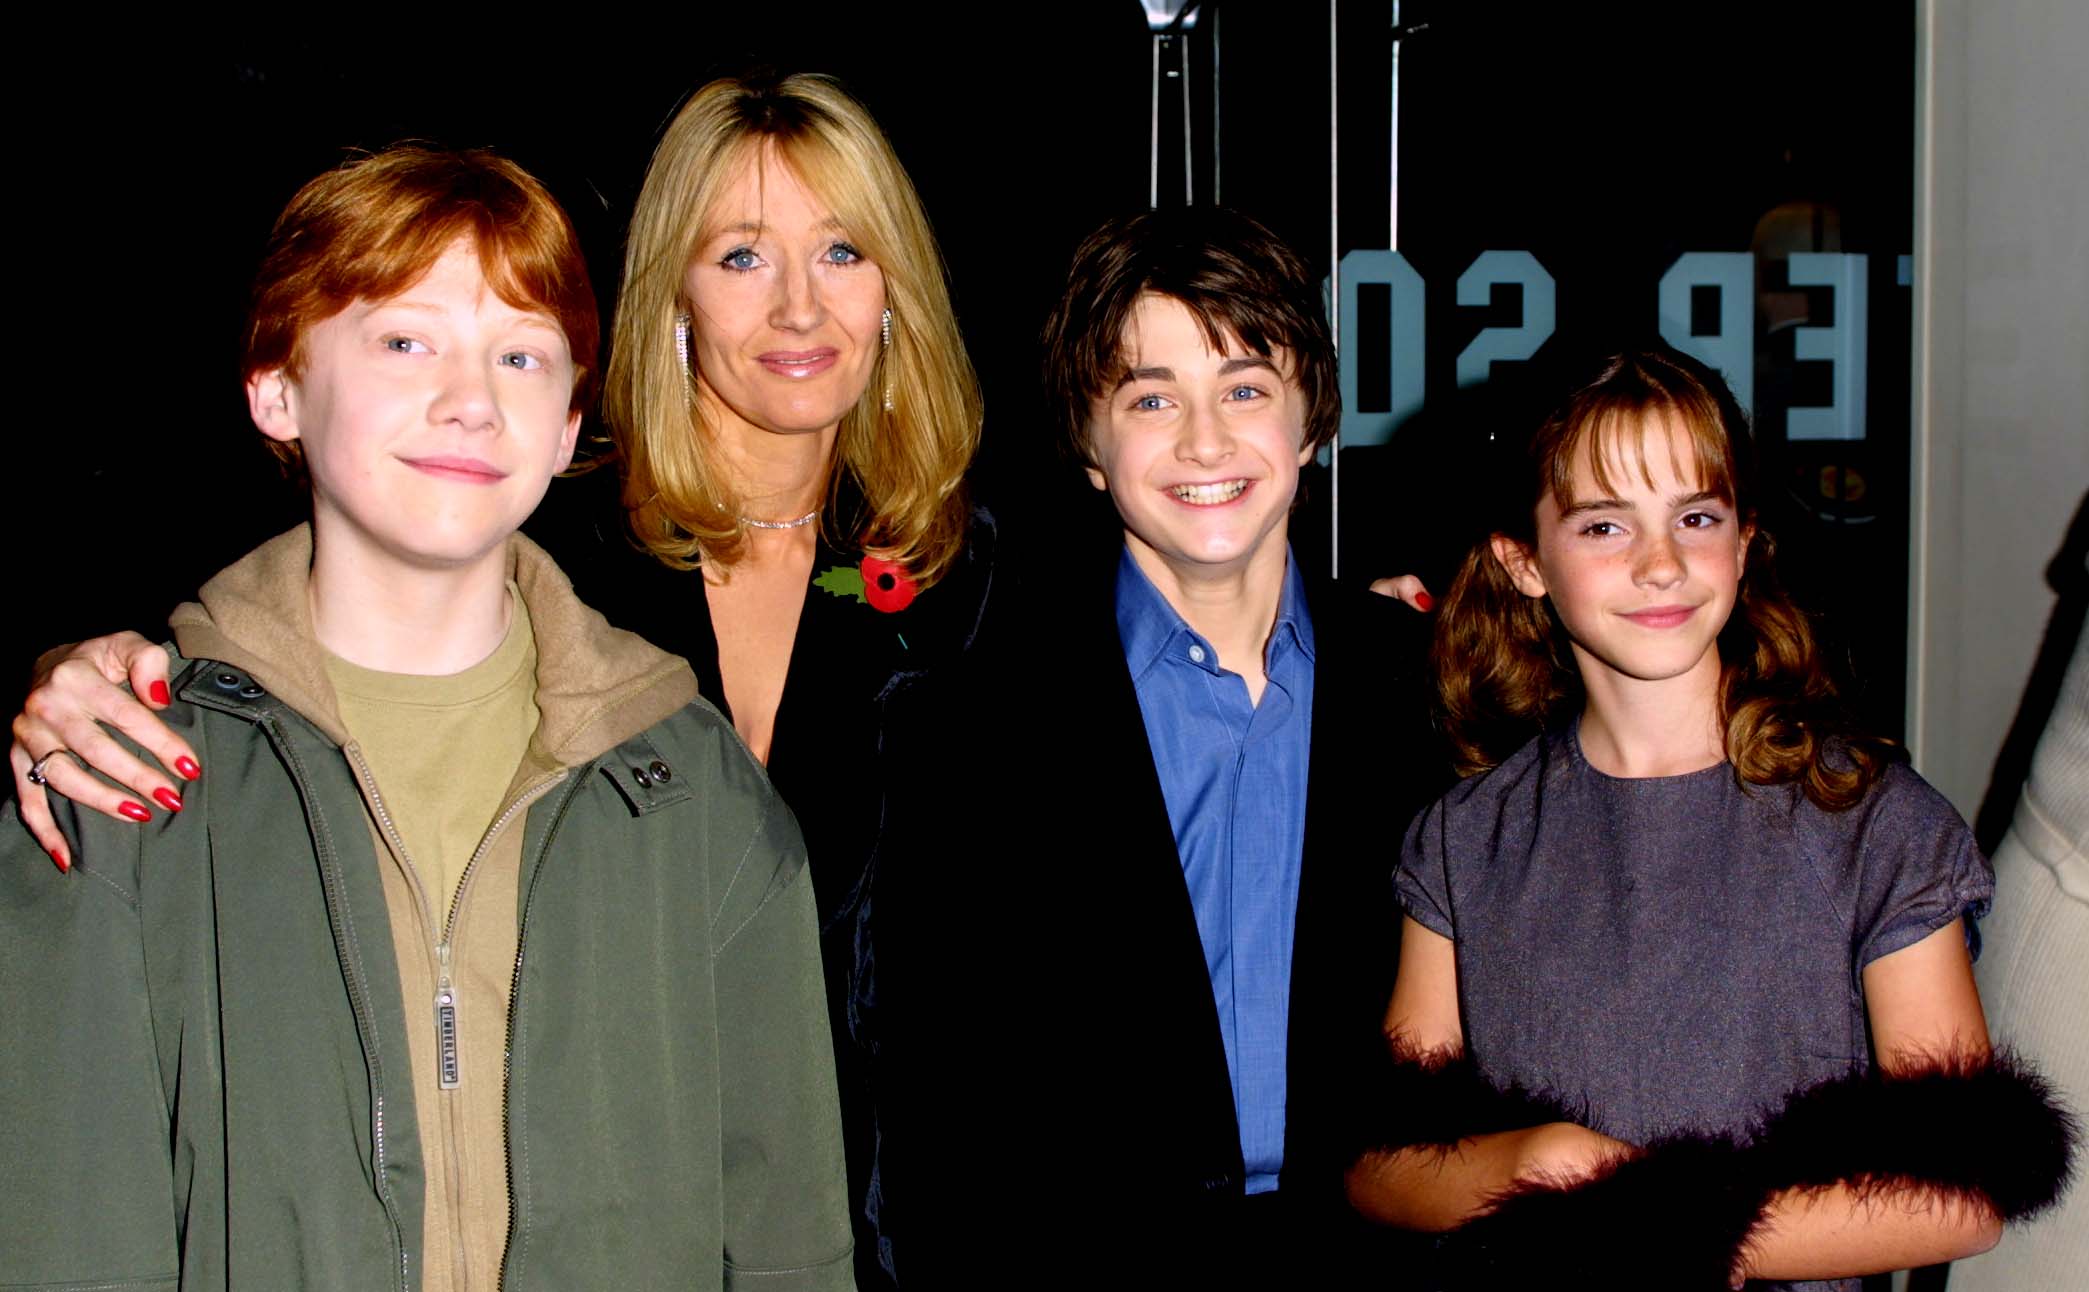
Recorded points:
(842, 581)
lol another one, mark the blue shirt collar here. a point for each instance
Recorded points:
(1150, 628)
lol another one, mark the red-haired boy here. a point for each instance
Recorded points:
(486, 956)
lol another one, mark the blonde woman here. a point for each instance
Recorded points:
(793, 413)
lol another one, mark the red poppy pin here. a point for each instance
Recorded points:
(885, 584)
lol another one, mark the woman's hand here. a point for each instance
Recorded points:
(1405, 588)
(73, 690)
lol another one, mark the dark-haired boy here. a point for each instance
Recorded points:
(1191, 946)
(486, 955)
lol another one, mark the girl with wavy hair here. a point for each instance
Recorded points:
(1685, 996)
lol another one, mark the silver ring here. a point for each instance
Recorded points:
(36, 769)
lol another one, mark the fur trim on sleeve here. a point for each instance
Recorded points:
(1672, 1218)
(1987, 1130)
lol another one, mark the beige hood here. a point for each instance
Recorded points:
(596, 685)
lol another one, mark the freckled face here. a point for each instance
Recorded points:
(785, 313)
(1199, 448)
(1642, 575)
(431, 423)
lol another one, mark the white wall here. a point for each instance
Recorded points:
(2001, 364)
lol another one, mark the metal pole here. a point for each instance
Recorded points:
(1215, 10)
(1392, 221)
(1189, 148)
(1153, 156)
(1334, 283)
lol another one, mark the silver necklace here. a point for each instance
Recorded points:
(799, 523)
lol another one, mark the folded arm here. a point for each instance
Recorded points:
(1917, 1162)
(1447, 1142)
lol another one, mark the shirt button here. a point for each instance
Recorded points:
(1196, 653)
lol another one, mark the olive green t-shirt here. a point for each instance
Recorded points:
(444, 749)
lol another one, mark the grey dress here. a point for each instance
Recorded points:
(1679, 952)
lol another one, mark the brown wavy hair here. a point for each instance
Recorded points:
(908, 461)
(1503, 668)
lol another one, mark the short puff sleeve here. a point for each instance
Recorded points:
(1422, 883)
(1918, 867)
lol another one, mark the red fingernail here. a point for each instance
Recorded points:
(168, 799)
(58, 857)
(159, 693)
(135, 811)
(188, 767)
(1423, 601)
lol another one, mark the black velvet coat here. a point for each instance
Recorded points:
(1067, 1105)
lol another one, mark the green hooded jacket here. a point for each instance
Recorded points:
(203, 1046)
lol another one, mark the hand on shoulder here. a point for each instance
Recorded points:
(59, 739)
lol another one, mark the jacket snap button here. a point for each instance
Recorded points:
(251, 691)
(661, 771)
(642, 776)
(227, 681)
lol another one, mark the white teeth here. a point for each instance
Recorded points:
(1206, 495)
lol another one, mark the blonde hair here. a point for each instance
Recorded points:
(910, 462)
(1503, 668)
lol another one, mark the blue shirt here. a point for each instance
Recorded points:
(1234, 777)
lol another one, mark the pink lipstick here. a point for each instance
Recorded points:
(797, 364)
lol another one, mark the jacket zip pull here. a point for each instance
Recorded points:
(447, 1073)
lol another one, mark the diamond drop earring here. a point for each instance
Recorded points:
(885, 331)
(682, 351)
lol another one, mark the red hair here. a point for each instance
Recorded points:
(370, 228)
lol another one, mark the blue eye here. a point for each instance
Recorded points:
(740, 259)
(1149, 403)
(404, 345)
(522, 360)
(841, 253)
(1244, 392)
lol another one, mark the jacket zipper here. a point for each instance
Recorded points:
(449, 1074)
(368, 780)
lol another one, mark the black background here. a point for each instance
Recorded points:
(1605, 140)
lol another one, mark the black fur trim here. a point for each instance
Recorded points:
(1672, 1218)
(1989, 1128)
(1437, 1098)
(1677, 1215)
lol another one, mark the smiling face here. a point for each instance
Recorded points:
(1643, 566)
(432, 422)
(1199, 449)
(785, 312)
